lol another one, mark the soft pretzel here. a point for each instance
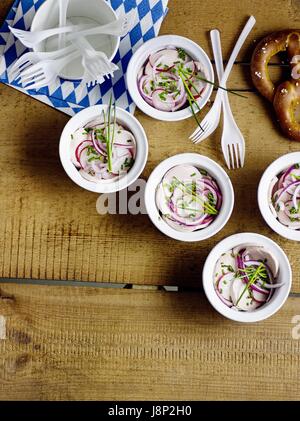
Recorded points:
(288, 40)
(286, 96)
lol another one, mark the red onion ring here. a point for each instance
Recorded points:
(97, 145)
(77, 152)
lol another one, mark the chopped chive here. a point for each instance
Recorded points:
(181, 53)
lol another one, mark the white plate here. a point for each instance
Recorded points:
(272, 171)
(139, 59)
(280, 295)
(128, 121)
(215, 171)
(98, 12)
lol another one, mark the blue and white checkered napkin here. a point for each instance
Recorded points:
(67, 96)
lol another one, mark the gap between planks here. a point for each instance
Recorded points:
(108, 285)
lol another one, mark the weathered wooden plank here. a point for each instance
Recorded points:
(4, 9)
(194, 19)
(67, 343)
(50, 229)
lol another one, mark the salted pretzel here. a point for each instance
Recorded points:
(286, 96)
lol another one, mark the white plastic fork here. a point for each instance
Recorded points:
(45, 72)
(91, 78)
(63, 8)
(34, 57)
(119, 27)
(212, 119)
(30, 39)
(96, 63)
(232, 142)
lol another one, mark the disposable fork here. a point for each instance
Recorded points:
(212, 118)
(63, 8)
(31, 39)
(34, 57)
(233, 143)
(45, 72)
(96, 63)
(90, 56)
(119, 27)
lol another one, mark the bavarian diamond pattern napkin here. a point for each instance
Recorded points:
(68, 96)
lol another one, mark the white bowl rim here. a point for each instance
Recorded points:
(141, 55)
(227, 244)
(114, 52)
(215, 170)
(275, 168)
(83, 117)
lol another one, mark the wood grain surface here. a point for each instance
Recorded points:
(71, 343)
(67, 343)
(49, 227)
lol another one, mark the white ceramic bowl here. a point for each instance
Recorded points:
(96, 12)
(140, 57)
(272, 171)
(280, 295)
(215, 171)
(128, 121)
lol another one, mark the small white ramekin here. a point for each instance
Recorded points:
(215, 171)
(97, 11)
(272, 171)
(280, 295)
(140, 57)
(125, 119)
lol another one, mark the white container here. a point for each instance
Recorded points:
(106, 186)
(272, 171)
(215, 171)
(96, 12)
(140, 57)
(280, 294)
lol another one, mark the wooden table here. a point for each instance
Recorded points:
(75, 339)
